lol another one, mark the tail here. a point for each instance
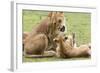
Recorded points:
(46, 54)
(37, 56)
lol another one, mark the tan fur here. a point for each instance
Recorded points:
(36, 47)
(36, 44)
(25, 35)
(41, 37)
(65, 50)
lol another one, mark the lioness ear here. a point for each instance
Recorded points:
(61, 12)
(50, 14)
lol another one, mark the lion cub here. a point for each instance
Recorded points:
(66, 50)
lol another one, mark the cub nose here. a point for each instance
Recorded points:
(66, 38)
(62, 29)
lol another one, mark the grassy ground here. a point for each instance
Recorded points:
(79, 23)
(51, 59)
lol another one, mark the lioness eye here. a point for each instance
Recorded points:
(59, 21)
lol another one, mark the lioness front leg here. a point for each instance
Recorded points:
(35, 46)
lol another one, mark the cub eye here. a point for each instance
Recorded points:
(55, 23)
(59, 20)
(66, 38)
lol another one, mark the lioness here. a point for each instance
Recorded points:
(36, 43)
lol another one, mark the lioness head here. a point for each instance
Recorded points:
(57, 22)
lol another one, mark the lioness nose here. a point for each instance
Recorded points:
(62, 29)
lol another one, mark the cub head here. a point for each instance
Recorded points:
(71, 40)
(60, 39)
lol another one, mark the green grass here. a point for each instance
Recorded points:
(51, 59)
(79, 23)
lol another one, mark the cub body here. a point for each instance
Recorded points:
(65, 50)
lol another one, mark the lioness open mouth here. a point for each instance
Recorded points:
(62, 29)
